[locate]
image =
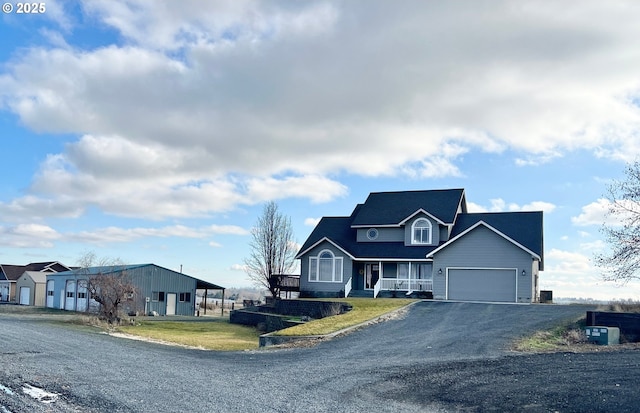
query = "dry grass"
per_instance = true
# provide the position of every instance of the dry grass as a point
(628, 306)
(364, 309)
(213, 334)
(566, 337)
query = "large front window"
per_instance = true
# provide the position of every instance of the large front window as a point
(422, 231)
(325, 267)
(421, 271)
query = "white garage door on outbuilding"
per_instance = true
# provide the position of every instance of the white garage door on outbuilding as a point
(25, 295)
(482, 284)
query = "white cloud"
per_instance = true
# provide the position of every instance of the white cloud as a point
(317, 188)
(28, 236)
(500, 205)
(115, 234)
(238, 267)
(537, 159)
(311, 222)
(593, 214)
(573, 274)
(202, 108)
(597, 213)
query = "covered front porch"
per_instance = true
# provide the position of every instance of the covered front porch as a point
(395, 279)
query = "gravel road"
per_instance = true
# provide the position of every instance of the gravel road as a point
(438, 357)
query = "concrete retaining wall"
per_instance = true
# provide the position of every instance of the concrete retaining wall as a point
(263, 321)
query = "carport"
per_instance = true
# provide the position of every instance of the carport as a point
(206, 286)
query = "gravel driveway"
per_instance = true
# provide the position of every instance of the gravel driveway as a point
(438, 357)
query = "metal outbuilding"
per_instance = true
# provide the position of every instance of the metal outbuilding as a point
(158, 290)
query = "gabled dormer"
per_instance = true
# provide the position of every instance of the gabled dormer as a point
(412, 217)
(423, 229)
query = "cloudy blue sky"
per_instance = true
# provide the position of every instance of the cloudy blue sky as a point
(154, 131)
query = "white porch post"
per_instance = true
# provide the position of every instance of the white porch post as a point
(380, 275)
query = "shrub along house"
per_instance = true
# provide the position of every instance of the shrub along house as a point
(424, 243)
(157, 289)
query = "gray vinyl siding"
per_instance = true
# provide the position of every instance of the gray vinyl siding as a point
(408, 233)
(482, 248)
(444, 233)
(324, 287)
(384, 235)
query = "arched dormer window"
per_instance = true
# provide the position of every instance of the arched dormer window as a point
(421, 231)
(325, 267)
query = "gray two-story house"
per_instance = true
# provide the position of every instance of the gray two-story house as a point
(426, 244)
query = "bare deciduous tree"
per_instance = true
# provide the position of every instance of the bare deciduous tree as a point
(107, 284)
(273, 248)
(622, 262)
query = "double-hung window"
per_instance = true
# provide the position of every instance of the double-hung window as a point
(325, 267)
(421, 231)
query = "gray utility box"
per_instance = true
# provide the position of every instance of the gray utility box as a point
(603, 335)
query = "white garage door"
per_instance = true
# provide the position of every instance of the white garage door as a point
(25, 293)
(482, 284)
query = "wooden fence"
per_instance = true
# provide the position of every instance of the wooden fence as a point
(628, 323)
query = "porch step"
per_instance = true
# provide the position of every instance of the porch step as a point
(361, 293)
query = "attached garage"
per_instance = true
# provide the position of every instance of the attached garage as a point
(482, 284)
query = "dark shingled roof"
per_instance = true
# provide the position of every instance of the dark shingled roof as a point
(525, 228)
(339, 231)
(13, 272)
(391, 208)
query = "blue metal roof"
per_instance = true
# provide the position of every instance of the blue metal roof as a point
(107, 269)
(200, 284)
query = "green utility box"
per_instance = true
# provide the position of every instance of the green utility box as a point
(603, 335)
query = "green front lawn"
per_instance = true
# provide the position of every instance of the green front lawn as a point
(215, 334)
(364, 309)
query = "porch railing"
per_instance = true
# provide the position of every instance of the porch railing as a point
(406, 284)
(376, 288)
(347, 288)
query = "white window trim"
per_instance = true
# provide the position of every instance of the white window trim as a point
(336, 268)
(413, 233)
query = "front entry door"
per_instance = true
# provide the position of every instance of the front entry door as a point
(371, 275)
(171, 304)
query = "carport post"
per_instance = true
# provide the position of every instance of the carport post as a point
(222, 313)
(205, 301)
